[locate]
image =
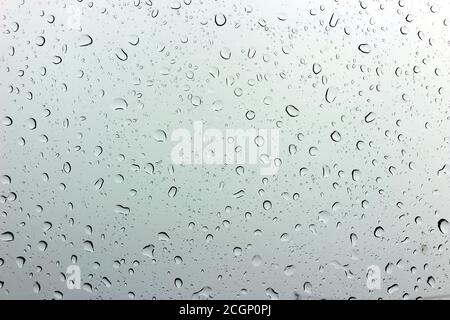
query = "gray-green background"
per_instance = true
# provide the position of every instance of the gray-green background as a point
(377, 72)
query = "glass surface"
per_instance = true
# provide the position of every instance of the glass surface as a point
(224, 149)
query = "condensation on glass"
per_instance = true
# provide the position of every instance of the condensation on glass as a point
(224, 149)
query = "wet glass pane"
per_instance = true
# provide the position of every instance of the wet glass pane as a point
(224, 149)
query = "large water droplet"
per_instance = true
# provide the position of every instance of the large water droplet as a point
(7, 236)
(85, 40)
(443, 226)
(292, 111)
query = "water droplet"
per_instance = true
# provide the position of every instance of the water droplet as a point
(220, 19)
(148, 251)
(133, 40)
(5, 179)
(335, 136)
(353, 239)
(330, 94)
(121, 54)
(431, 281)
(378, 232)
(178, 283)
(119, 104)
(67, 168)
(121, 209)
(20, 261)
(356, 174)
(163, 236)
(36, 287)
(225, 53)
(178, 260)
(317, 68)
(272, 294)
(267, 205)
(369, 117)
(289, 270)
(40, 41)
(313, 151)
(99, 183)
(85, 40)
(172, 191)
(307, 287)
(250, 115)
(31, 123)
(7, 236)
(364, 48)
(443, 226)
(392, 289)
(88, 246)
(7, 121)
(42, 245)
(292, 111)
(160, 135)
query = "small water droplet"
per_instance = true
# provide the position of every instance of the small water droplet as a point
(378, 232)
(267, 205)
(225, 53)
(160, 135)
(172, 191)
(178, 283)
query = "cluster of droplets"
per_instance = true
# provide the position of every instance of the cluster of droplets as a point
(357, 91)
